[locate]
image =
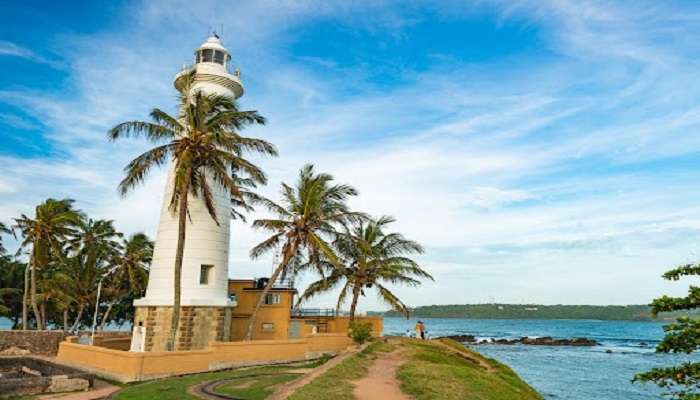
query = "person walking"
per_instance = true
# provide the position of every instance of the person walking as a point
(420, 330)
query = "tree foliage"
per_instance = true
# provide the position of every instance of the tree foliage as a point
(71, 253)
(368, 257)
(683, 336)
(307, 218)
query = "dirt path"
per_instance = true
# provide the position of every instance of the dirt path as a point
(100, 391)
(381, 382)
(287, 389)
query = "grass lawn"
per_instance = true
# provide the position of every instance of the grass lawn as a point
(434, 372)
(255, 388)
(335, 383)
(176, 388)
(431, 370)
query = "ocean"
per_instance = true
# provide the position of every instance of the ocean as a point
(571, 373)
(558, 373)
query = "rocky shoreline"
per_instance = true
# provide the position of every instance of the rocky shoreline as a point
(532, 341)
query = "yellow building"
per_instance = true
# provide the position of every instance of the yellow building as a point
(277, 319)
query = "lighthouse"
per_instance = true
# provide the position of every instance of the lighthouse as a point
(206, 307)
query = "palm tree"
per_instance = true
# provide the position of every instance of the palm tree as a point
(205, 147)
(369, 258)
(77, 277)
(3, 229)
(131, 272)
(53, 222)
(309, 215)
(93, 235)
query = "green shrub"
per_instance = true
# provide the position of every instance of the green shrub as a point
(360, 332)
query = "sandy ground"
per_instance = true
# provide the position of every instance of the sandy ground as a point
(381, 382)
(100, 391)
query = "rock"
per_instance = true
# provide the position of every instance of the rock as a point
(30, 371)
(14, 351)
(536, 341)
(462, 338)
(62, 383)
(609, 351)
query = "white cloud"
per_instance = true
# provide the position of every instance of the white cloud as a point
(535, 185)
(11, 49)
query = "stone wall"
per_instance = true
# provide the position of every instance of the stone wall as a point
(36, 342)
(44, 377)
(42, 342)
(198, 326)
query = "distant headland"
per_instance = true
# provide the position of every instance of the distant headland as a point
(635, 312)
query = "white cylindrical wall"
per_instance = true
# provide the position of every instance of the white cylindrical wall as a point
(206, 243)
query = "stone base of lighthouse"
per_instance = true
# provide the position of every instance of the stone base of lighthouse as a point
(198, 326)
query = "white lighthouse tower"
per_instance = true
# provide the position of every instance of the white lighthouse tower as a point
(205, 304)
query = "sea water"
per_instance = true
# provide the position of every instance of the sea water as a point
(565, 372)
(561, 372)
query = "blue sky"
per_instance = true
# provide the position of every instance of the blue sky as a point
(542, 151)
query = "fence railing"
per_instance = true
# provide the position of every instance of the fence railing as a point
(260, 283)
(314, 312)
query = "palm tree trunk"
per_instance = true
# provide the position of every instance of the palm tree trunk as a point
(288, 253)
(341, 297)
(182, 225)
(43, 314)
(106, 314)
(35, 308)
(353, 306)
(65, 319)
(25, 297)
(81, 308)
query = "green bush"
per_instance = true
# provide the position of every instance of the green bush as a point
(360, 332)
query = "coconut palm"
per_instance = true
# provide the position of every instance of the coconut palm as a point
(92, 235)
(6, 230)
(308, 217)
(53, 222)
(131, 274)
(205, 147)
(96, 244)
(77, 277)
(370, 258)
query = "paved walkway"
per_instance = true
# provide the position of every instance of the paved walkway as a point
(380, 381)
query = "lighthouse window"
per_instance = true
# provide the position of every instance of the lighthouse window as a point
(219, 57)
(205, 272)
(207, 55)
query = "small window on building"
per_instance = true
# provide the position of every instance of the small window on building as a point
(272, 298)
(207, 55)
(205, 273)
(219, 57)
(267, 326)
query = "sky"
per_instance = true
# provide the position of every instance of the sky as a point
(542, 151)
